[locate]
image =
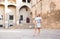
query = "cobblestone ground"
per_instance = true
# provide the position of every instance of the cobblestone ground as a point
(29, 34)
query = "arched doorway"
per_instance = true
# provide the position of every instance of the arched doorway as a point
(2, 14)
(25, 16)
(10, 15)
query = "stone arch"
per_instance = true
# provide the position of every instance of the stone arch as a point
(12, 5)
(2, 16)
(25, 6)
(11, 15)
(12, 8)
(2, 8)
(26, 14)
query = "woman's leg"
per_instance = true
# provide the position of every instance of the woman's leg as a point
(35, 30)
(38, 30)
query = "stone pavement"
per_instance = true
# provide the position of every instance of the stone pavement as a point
(28, 34)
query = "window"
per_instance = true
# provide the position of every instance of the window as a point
(21, 17)
(26, 9)
(27, 20)
(23, 0)
(1, 17)
(11, 17)
(11, 24)
(1, 25)
(28, 1)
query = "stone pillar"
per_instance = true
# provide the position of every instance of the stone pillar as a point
(5, 17)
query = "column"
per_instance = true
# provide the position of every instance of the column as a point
(6, 21)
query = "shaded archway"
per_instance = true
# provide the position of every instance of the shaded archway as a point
(2, 15)
(12, 8)
(11, 15)
(25, 13)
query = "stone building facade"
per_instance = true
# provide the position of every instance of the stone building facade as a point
(21, 13)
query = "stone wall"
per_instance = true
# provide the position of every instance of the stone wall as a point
(51, 20)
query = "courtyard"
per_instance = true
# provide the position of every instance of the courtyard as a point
(29, 34)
